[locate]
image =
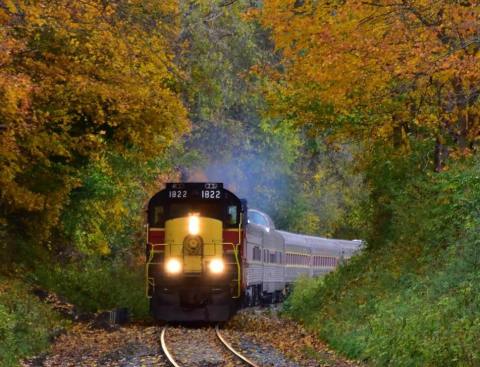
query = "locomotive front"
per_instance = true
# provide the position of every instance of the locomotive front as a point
(195, 235)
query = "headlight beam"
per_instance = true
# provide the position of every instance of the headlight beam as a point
(216, 266)
(173, 266)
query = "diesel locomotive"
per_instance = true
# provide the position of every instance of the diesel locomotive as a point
(207, 254)
(196, 236)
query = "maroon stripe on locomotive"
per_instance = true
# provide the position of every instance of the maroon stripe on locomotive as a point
(156, 236)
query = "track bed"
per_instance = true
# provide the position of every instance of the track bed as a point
(257, 334)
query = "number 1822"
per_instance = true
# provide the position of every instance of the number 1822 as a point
(210, 194)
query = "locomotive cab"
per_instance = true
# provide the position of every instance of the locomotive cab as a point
(194, 251)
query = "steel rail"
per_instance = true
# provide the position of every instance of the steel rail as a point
(165, 349)
(231, 349)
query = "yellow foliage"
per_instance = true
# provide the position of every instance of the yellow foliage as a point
(416, 60)
(78, 78)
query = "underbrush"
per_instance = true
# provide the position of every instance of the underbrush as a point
(98, 284)
(26, 324)
(412, 298)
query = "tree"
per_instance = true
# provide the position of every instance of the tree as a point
(79, 80)
(407, 68)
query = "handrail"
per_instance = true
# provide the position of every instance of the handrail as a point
(237, 260)
(147, 279)
(239, 273)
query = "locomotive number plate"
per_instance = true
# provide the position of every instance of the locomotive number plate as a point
(211, 194)
(177, 194)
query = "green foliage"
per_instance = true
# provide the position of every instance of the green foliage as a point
(103, 215)
(99, 264)
(302, 298)
(99, 284)
(220, 49)
(324, 191)
(233, 142)
(412, 297)
(287, 172)
(26, 324)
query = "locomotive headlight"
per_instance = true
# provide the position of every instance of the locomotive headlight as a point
(173, 266)
(193, 224)
(216, 266)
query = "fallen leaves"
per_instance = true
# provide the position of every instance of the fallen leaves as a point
(134, 345)
(198, 347)
(263, 327)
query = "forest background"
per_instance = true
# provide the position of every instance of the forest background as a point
(349, 119)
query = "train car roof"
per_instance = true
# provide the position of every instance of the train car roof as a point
(293, 238)
(321, 242)
(352, 244)
(315, 242)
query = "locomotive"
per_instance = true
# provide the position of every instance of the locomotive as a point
(196, 236)
(207, 254)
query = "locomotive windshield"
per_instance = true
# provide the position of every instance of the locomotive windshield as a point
(209, 209)
(203, 208)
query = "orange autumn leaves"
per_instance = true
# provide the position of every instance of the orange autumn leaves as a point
(79, 79)
(408, 63)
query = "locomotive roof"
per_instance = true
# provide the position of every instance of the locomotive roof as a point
(194, 185)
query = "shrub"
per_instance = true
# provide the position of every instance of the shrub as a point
(99, 284)
(26, 324)
(411, 299)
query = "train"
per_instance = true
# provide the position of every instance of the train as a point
(208, 254)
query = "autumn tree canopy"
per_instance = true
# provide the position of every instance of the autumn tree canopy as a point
(79, 79)
(408, 68)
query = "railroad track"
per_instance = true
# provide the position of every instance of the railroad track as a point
(223, 341)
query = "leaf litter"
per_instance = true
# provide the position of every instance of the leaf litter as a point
(270, 340)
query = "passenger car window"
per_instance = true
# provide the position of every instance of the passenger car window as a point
(257, 253)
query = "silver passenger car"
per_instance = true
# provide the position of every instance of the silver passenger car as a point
(274, 258)
(297, 256)
(264, 271)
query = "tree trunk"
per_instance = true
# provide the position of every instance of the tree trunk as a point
(440, 155)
